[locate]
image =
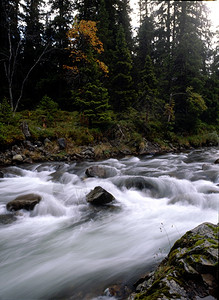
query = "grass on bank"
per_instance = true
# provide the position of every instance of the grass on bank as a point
(130, 128)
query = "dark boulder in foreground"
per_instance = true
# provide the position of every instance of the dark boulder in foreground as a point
(189, 272)
(99, 196)
(27, 202)
(100, 171)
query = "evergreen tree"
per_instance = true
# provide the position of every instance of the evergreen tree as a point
(54, 81)
(122, 90)
(93, 102)
(148, 90)
(144, 42)
(88, 94)
(123, 18)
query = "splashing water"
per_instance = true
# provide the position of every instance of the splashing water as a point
(67, 248)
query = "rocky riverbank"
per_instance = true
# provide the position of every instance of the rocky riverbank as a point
(189, 272)
(62, 150)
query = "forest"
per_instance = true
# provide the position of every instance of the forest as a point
(77, 69)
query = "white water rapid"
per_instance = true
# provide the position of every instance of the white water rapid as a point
(67, 249)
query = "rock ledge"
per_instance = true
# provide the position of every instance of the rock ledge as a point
(189, 272)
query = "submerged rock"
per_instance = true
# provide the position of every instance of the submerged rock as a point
(190, 271)
(99, 196)
(27, 202)
(7, 219)
(101, 171)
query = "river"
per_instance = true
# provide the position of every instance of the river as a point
(67, 249)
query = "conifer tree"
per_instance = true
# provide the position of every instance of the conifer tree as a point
(122, 90)
(89, 95)
(148, 90)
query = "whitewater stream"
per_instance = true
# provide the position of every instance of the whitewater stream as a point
(68, 249)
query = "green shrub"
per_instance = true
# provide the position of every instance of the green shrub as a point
(212, 138)
(6, 114)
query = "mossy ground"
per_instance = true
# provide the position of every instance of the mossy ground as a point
(129, 130)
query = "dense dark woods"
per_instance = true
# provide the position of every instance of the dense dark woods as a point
(82, 57)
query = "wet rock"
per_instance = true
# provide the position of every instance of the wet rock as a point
(217, 161)
(88, 152)
(27, 202)
(118, 291)
(61, 143)
(101, 171)
(99, 196)
(28, 160)
(17, 158)
(25, 130)
(28, 145)
(7, 219)
(1, 174)
(190, 270)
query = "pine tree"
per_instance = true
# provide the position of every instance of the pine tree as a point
(123, 18)
(89, 94)
(148, 90)
(145, 41)
(122, 90)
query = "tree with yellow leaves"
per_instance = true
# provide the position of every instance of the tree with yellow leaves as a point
(89, 95)
(85, 46)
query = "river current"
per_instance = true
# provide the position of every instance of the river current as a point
(67, 249)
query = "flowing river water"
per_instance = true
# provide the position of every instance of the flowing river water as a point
(67, 249)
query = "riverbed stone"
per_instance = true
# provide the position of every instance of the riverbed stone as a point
(217, 161)
(1, 174)
(7, 219)
(17, 158)
(27, 202)
(101, 171)
(189, 272)
(99, 196)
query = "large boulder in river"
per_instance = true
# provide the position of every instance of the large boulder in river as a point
(100, 171)
(189, 272)
(27, 202)
(99, 196)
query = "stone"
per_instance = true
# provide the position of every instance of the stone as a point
(101, 171)
(27, 202)
(99, 196)
(190, 270)
(46, 142)
(17, 158)
(28, 160)
(25, 130)
(7, 219)
(28, 145)
(217, 161)
(61, 143)
(1, 174)
(89, 152)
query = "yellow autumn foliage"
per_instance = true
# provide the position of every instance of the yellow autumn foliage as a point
(83, 38)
